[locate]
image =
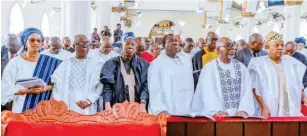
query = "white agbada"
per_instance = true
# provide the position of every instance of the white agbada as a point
(223, 87)
(265, 80)
(63, 54)
(184, 54)
(17, 68)
(100, 60)
(170, 84)
(88, 90)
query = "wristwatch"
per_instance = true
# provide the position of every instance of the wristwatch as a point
(89, 101)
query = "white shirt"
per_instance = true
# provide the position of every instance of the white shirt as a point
(217, 91)
(167, 89)
(16, 69)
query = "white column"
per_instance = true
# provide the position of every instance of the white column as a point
(248, 27)
(77, 18)
(249, 10)
(104, 10)
(63, 32)
(223, 29)
(292, 23)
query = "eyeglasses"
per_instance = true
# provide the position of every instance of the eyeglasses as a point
(82, 44)
(213, 39)
(228, 45)
(33, 40)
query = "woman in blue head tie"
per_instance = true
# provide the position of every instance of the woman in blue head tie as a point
(27, 65)
(301, 43)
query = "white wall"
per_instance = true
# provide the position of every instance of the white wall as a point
(32, 15)
(192, 28)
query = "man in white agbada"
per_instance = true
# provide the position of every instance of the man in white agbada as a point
(75, 80)
(170, 81)
(224, 87)
(100, 56)
(277, 80)
(56, 50)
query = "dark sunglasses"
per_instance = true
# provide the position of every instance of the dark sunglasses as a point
(33, 40)
(213, 39)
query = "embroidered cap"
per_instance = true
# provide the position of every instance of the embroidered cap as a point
(272, 36)
(128, 35)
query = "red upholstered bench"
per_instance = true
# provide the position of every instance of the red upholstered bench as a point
(52, 118)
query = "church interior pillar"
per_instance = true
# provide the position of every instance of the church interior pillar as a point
(292, 12)
(77, 18)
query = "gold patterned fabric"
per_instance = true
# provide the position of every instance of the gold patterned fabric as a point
(272, 36)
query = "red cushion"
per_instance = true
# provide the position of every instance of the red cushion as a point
(15, 128)
(304, 109)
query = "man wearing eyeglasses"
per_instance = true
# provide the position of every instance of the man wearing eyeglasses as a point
(75, 80)
(224, 87)
(56, 50)
(9, 51)
(124, 78)
(204, 56)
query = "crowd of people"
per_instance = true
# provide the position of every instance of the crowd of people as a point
(212, 76)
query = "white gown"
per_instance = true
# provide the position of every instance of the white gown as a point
(63, 54)
(100, 60)
(170, 84)
(229, 91)
(89, 90)
(266, 82)
(17, 68)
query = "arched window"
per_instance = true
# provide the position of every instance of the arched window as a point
(16, 19)
(45, 24)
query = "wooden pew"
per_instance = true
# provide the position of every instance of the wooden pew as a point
(273, 126)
